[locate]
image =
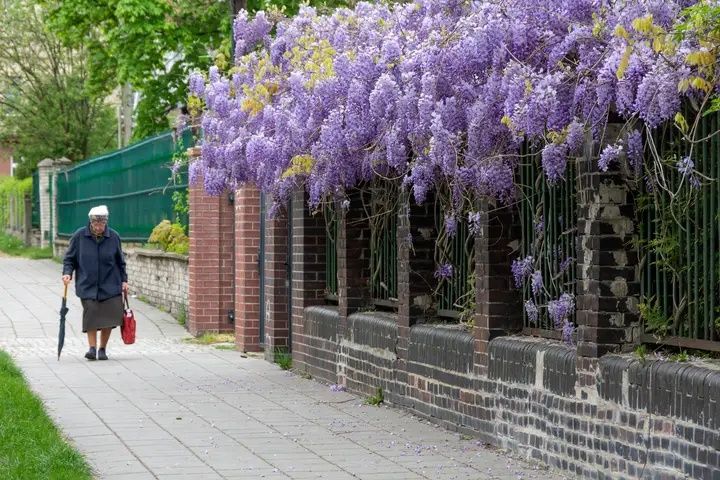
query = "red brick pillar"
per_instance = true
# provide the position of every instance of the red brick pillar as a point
(210, 262)
(308, 271)
(276, 283)
(247, 278)
(499, 305)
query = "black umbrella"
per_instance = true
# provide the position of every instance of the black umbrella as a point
(61, 333)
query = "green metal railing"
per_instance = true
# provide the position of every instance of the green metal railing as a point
(36, 200)
(453, 292)
(548, 217)
(132, 182)
(383, 262)
(331, 224)
(679, 261)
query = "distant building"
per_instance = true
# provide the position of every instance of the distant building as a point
(6, 160)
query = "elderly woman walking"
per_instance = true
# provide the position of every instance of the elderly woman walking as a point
(95, 257)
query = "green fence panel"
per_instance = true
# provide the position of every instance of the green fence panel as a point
(331, 224)
(548, 216)
(679, 262)
(453, 291)
(133, 182)
(383, 261)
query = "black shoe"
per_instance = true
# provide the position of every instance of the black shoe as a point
(90, 355)
(101, 355)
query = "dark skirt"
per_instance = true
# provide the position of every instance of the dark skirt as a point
(105, 314)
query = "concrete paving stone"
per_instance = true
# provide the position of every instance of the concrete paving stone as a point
(194, 476)
(127, 476)
(391, 476)
(264, 475)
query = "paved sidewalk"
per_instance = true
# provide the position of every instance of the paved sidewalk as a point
(169, 410)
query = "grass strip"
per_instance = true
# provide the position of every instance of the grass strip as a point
(31, 446)
(15, 247)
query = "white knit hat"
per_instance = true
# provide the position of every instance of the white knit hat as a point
(99, 211)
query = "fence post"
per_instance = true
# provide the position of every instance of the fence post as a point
(247, 271)
(27, 221)
(308, 272)
(45, 167)
(353, 260)
(276, 258)
(607, 284)
(209, 272)
(498, 303)
(58, 165)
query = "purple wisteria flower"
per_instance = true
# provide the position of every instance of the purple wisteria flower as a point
(610, 153)
(687, 168)
(536, 282)
(635, 150)
(567, 332)
(521, 269)
(532, 311)
(337, 388)
(565, 264)
(474, 223)
(540, 226)
(378, 91)
(561, 309)
(451, 225)
(444, 271)
(196, 84)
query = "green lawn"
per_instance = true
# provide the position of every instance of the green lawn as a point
(30, 445)
(14, 246)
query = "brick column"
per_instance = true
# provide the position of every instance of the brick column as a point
(607, 281)
(353, 260)
(210, 261)
(276, 283)
(308, 269)
(247, 275)
(499, 305)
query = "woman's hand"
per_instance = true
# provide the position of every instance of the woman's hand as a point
(66, 279)
(125, 288)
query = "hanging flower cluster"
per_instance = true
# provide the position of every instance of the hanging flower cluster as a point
(436, 93)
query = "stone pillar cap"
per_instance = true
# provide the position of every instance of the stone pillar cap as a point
(48, 162)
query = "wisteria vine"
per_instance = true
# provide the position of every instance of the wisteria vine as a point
(441, 95)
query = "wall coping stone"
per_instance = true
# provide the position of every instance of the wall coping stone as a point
(684, 390)
(149, 252)
(547, 364)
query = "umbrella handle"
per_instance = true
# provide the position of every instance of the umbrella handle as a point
(65, 294)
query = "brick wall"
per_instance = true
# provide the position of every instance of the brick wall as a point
(160, 277)
(663, 412)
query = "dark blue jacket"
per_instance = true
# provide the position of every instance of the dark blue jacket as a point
(99, 266)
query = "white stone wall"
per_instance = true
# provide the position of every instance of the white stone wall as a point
(159, 277)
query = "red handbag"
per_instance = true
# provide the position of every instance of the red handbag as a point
(127, 329)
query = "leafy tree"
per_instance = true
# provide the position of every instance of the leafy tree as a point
(45, 110)
(150, 44)
(153, 44)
